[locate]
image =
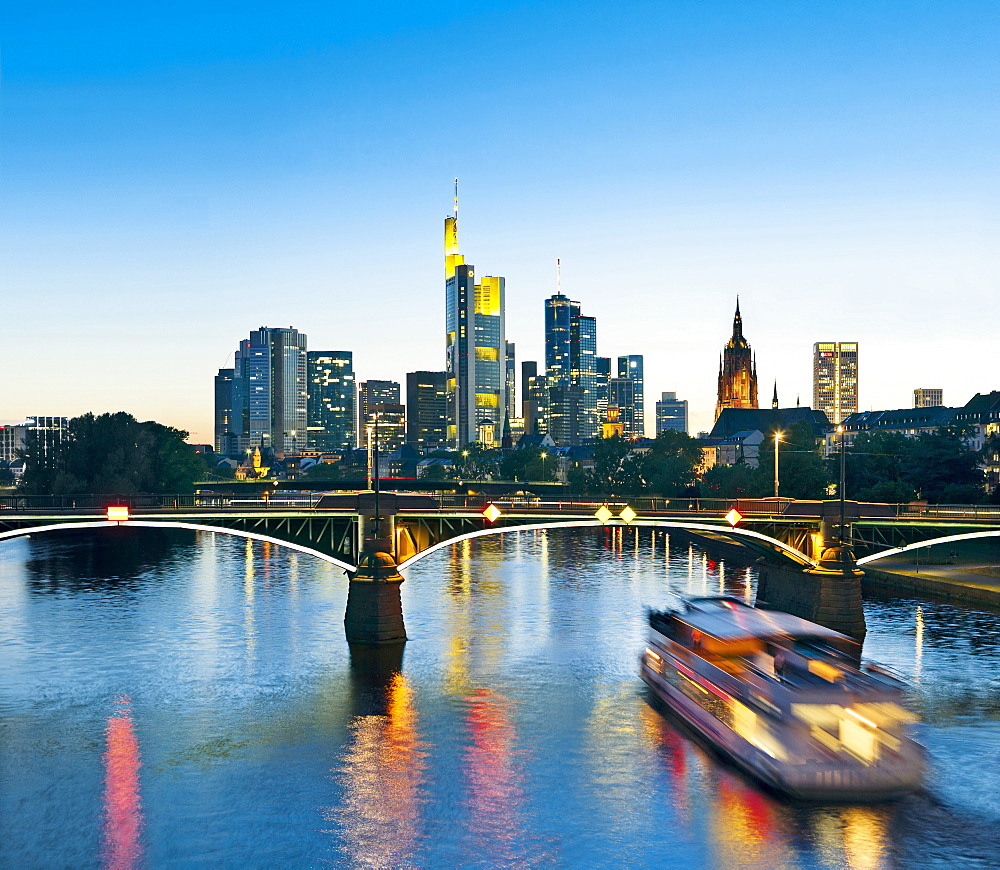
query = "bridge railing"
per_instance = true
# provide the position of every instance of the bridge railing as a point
(576, 505)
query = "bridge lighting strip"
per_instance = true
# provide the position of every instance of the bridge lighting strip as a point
(948, 540)
(801, 558)
(253, 536)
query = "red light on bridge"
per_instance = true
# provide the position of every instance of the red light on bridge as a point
(117, 513)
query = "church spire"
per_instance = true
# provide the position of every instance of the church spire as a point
(774, 399)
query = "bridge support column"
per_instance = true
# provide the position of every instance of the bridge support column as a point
(374, 609)
(829, 594)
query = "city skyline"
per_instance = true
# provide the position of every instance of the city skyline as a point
(168, 188)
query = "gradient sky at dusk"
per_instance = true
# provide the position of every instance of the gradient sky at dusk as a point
(173, 175)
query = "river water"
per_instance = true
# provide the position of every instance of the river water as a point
(170, 699)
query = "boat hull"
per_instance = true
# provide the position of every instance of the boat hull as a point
(811, 780)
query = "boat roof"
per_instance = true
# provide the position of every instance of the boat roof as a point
(730, 619)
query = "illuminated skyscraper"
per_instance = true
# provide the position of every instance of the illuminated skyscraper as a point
(476, 347)
(571, 372)
(269, 390)
(631, 367)
(835, 379)
(737, 371)
(226, 438)
(333, 419)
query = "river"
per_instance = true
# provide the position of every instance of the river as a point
(172, 699)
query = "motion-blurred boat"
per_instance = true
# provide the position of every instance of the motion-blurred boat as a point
(785, 699)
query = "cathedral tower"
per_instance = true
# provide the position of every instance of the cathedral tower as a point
(737, 371)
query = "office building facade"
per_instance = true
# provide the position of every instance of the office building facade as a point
(332, 402)
(630, 367)
(370, 394)
(427, 410)
(671, 414)
(835, 379)
(927, 398)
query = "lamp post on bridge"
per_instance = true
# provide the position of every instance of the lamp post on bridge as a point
(841, 485)
(777, 439)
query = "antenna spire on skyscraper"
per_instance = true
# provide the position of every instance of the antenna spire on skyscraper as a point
(558, 276)
(456, 199)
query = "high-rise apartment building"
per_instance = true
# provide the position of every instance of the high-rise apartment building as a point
(737, 371)
(476, 347)
(927, 398)
(332, 416)
(631, 367)
(371, 394)
(571, 372)
(427, 410)
(269, 390)
(835, 379)
(671, 413)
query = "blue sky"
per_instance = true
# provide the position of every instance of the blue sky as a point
(174, 175)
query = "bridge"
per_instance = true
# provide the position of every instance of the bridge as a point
(334, 526)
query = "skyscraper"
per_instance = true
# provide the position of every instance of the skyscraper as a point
(631, 367)
(476, 347)
(269, 390)
(927, 398)
(620, 415)
(226, 437)
(370, 395)
(671, 413)
(534, 399)
(835, 379)
(571, 372)
(426, 409)
(332, 414)
(510, 401)
(737, 371)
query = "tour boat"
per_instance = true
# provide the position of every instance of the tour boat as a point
(785, 699)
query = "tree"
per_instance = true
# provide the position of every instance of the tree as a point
(875, 467)
(525, 463)
(734, 481)
(669, 466)
(801, 469)
(112, 454)
(942, 468)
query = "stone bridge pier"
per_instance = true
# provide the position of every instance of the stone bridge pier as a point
(374, 615)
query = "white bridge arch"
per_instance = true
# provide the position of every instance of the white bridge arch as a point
(771, 543)
(171, 524)
(947, 539)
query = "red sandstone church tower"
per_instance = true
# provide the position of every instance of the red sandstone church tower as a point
(737, 371)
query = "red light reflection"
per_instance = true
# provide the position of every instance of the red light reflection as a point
(121, 846)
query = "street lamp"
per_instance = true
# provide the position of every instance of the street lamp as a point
(543, 455)
(777, 438)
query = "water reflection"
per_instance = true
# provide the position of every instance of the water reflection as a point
(494, 779)
(94, 560)
(380, 818)
(121, 847)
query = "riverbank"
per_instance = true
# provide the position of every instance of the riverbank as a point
(974, 584)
